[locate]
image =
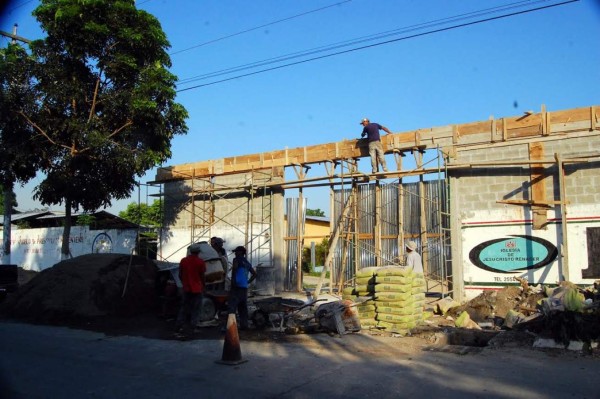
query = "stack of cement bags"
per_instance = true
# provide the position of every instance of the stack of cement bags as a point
(399, 298)
(389, 298)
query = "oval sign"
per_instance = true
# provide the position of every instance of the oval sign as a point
(513, 254)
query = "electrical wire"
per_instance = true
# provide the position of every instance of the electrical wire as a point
(359, 40)
(259, 27)
(462, 25)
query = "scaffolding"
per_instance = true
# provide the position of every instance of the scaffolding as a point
(372, 215)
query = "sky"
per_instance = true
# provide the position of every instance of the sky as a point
(263, 75)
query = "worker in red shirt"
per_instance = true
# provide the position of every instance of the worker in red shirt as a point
(191, 274)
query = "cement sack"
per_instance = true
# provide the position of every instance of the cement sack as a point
(393, 288)
(395, 271)
(367, 271)
(393, 280)
(401, 311)
(390, 296)
(364, 280)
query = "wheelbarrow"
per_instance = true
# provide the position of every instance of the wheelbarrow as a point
(284, 314)
(214, 301)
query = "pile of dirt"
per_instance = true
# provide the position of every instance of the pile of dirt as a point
(87, 286)
(493, 304)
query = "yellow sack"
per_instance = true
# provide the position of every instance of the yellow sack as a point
(391, 296)
(395, 271)
(393, 279)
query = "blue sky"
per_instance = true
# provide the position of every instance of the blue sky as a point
(501, 67)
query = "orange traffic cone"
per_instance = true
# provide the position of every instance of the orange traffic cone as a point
(232, 353)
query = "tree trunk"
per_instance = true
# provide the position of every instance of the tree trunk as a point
(8, 197)
(65, 251)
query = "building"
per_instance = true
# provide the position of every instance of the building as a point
(510, 197)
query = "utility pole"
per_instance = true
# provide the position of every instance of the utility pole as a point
(14, 35)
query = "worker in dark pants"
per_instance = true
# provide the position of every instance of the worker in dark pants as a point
(191, 272)
(238, 295)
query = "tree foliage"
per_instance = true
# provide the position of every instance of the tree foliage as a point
(315, 212)
(143, 214)
(105, 104)
(321, 250)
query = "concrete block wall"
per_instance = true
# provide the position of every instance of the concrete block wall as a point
(481, 187)
(582, 180)
(230, 203)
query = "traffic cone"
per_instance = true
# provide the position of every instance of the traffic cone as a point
(232, 353)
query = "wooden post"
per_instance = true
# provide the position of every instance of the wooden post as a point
(423, 216)
(563, 213)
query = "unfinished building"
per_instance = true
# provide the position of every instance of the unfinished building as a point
(511, 197)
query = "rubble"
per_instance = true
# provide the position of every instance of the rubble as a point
(565, 316)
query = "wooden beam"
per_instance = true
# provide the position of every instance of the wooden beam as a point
(530, 202)
(514, 128)
(538, 186)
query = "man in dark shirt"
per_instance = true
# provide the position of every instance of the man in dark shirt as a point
(191, 273)
(371, 130)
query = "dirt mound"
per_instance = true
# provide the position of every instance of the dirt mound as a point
(492, 304)
(85, 287)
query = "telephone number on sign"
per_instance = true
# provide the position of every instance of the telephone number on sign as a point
(504, 279)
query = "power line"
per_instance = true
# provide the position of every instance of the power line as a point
(259, 27)
(383, 43)
(359, 40)
(20, 5)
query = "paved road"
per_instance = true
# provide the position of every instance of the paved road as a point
(54, 362)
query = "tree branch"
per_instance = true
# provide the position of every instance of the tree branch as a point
(42, 132)
(93, 107)
(117, 131)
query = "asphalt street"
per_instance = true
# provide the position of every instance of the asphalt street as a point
(57, 362)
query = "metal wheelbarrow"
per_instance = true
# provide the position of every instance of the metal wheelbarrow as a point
(284, 314)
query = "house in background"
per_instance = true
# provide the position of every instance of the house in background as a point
(316, 229)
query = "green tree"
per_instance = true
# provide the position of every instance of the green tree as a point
(315, 212)
(105, 102)
(143, 214)
(19, 158)
(320, 255)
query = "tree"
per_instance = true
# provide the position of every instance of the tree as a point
(144, 214)
(19, 158)
(105, 102)
(315, 212)
(321, 251)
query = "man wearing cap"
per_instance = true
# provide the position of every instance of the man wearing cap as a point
(371, 130)
(238, 295)
(413, 259)
(191, 273)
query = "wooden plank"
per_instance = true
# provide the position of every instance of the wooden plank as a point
(513, 128)
(538, 186)
(455, 134)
